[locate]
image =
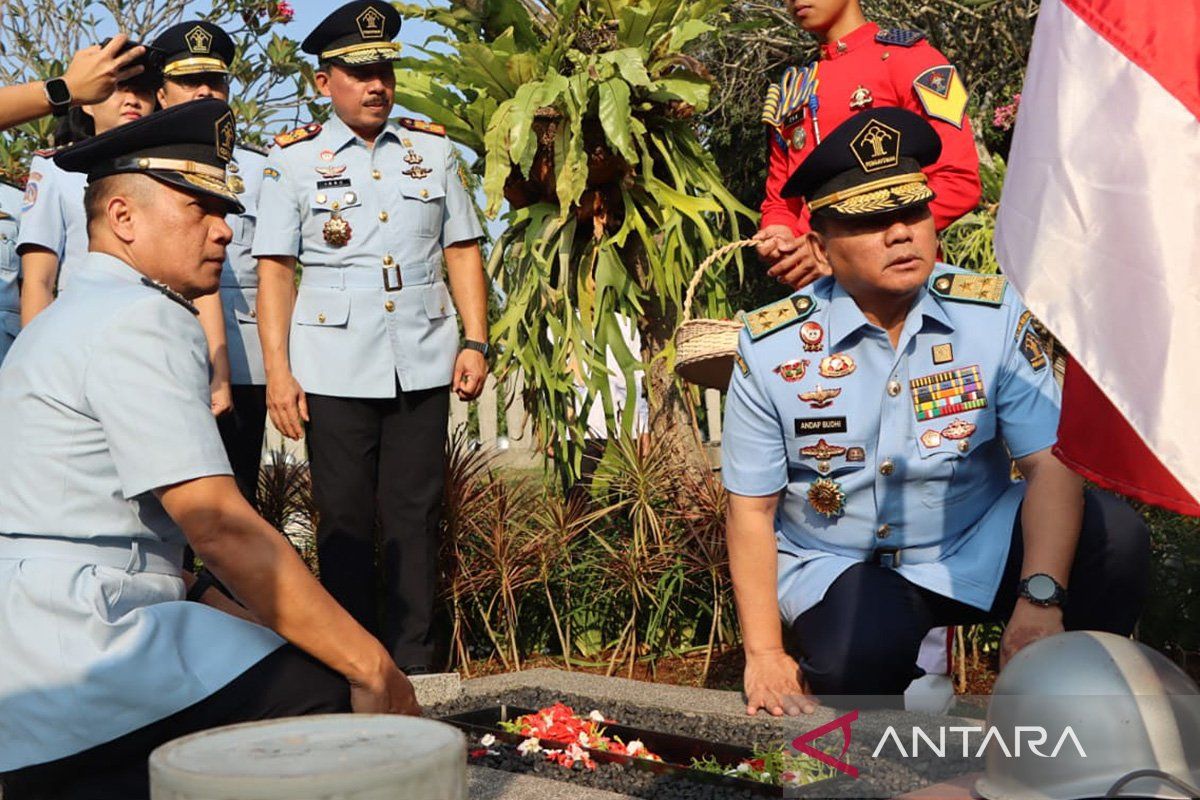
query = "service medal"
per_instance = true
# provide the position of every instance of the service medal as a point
(838, 365)
(792, 371)
(818, 397)
(799, 138)
(336, 231)
(826, 497)
(812, 334)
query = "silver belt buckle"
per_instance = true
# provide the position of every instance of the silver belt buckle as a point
(888, 557)
(387, 279)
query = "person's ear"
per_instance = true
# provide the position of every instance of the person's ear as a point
(119, 212)
(820, 250)
(322, 80)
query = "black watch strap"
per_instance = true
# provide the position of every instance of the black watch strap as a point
(58, 94)
(477, 346)
(204, 582)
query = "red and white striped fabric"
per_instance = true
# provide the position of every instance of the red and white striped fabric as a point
(1099, 230)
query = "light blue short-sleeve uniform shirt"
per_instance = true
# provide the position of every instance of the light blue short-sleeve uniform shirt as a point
(10, 267)
(372, 310)
(52, 214)
(239, 277)
(104, 398)
(901, 448)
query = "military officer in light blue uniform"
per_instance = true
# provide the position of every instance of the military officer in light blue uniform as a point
(10, 266)
(362, 361)
(197, 55)
(868, 439)
(111, 461)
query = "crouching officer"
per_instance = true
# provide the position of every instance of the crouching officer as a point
(111, 461)
(364, 356)
(867, 443)
(197, 57)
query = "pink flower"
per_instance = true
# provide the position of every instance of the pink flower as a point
(1004, 117)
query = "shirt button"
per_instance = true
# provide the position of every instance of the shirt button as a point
(964, 445)
(893, 388)
(320, 317)
(390, 306)
(887, 467)
(376, 174)
(424, 193)
(383, 216)
(253, 313)
(883, 531)
(388, 260)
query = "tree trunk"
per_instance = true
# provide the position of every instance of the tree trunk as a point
(672, 417)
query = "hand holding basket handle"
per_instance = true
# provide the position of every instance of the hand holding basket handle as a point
(704, 348)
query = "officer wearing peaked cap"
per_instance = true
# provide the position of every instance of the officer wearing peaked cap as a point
(198, 55)
(361, 362)
(111, 462)
(867, 448)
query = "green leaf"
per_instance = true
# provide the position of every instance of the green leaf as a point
(628, 62)
(498, 163)
(689, 88)
(521, 68)
(685, 32)
(615, 117)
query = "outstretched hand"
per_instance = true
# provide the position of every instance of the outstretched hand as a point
(774, 683)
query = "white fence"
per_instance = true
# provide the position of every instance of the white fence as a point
(519, 444)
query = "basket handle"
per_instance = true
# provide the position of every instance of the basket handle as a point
(723, 250)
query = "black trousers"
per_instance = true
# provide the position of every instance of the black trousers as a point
(287, 683)
(381, 459)
(863, 637)
(242, 434)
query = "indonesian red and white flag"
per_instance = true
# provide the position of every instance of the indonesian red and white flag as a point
(1099, 230)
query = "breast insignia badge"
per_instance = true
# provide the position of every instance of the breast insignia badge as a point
(819, 397)
(838, 365)
(792, 371)
(826, 497)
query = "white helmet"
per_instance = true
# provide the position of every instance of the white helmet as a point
(1107, 717)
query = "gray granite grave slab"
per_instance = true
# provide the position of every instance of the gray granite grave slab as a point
(438, 687)
(490, 784)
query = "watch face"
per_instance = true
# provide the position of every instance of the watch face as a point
(58, 92)
(1041, 587)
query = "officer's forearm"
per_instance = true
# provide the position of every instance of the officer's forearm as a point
(212, 319)
(258, 565)
(468, 286)
(39, 271)
(1050, 516)
(22, 103)
(276, 295)
(750, 532)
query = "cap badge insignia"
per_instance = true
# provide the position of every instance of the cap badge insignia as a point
(861, 97)
(199, 40)
(819, 398)
(226, 132)
(370, 23)
(838, 365)
(812, 334)
(876, 146)
(792, 371)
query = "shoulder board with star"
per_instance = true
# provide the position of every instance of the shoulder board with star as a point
(289, 138)
(778, 315)
(422, 125)
(987, 290)
(171, 295)
(900, 37)
(254, 148)
(48, 152)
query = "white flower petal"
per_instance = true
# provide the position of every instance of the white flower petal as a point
(487, 740)
(596, 716)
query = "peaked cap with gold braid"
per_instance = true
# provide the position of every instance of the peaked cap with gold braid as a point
(356, 34)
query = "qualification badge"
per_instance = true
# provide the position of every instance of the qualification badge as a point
(818, 397)
(861, 98)
(336, 230)
(792, 371)
(838, 365)
(826, 497)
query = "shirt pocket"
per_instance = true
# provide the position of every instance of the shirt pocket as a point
(324, 308)
(421, 207)
(244, 227)
(9, 262)
(437, 301)
(946, 446)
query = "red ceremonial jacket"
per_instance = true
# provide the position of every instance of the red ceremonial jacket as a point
(876, 73)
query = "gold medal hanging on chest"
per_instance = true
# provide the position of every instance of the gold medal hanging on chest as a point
(826, 497)
(336, 230)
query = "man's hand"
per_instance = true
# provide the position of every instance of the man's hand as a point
(773, 682)
(388, 692)
(95, 71)
(1028, 624)
(221, 397)
(775, 242)
(470, 373)
(798, 268)
(287, 405)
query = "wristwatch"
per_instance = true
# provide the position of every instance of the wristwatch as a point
(58, 94)
(1042, 590)
(480, 347)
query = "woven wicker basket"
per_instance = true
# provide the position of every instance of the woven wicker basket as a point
(704, 348)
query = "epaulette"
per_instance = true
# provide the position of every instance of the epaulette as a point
(422, 125)
(254, 148)
(899, 37)
(48, 152)
(778, 315)
(171, 294)
(289, 138)
(985, 289)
